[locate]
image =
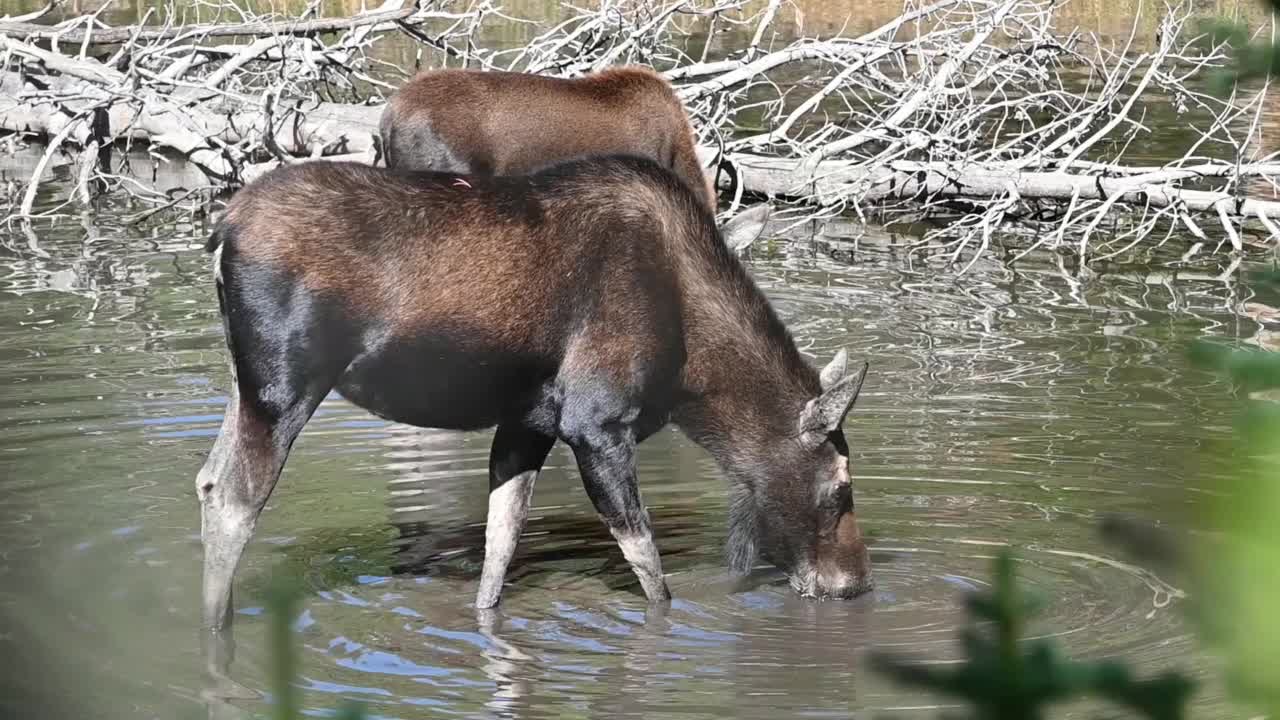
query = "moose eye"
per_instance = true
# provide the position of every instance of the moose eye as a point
(837, 499)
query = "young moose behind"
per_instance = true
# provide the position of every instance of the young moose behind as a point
(504, 123)
(592, 302)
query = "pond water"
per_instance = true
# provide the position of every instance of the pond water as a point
(1004, 407)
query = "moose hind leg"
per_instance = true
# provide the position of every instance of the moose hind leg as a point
(514, 461)
(606, 459)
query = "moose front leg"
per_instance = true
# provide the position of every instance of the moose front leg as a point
(514, 461)
(606, 459)
(238, 478)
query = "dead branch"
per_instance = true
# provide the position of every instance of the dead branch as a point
(32, 16)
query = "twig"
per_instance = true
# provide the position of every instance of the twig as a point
(55, 142)
(769, 13)
(31, 16)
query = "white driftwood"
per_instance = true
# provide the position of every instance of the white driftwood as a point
(835, 180)
(213, 140)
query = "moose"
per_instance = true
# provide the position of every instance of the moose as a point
(592, 302)
(480, 122)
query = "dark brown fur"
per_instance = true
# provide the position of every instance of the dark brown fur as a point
(502, 123)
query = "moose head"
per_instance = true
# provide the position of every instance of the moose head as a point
(798, 510)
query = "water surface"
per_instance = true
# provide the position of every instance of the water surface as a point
(1004, 407)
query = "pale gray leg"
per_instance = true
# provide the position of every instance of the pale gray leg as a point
(641, 551)
(227, 512)
(234, 485)
(514, 461)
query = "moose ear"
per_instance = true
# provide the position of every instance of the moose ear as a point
(746, 227)
(827, 411)
(834, 369)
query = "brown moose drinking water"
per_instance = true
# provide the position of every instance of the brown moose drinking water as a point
(592, 302)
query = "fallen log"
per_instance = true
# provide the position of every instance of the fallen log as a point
(833, 181)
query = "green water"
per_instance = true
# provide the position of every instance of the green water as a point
(1004, 407)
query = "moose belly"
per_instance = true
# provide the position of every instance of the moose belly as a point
(439, 385)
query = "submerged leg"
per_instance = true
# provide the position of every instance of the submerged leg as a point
(514, 461)
(233, 486)
(606, 458)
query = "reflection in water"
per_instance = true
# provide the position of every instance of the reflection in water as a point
(1012, 406)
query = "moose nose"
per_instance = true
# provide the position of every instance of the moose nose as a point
(844, 563)
(845, 587)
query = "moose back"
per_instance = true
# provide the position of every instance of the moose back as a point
(507, 123)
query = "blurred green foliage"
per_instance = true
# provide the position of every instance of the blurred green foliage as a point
(283, 601)
(1240, 563)
(1003, 677)
(1247, 60)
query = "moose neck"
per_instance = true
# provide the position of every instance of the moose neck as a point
(745, 382)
